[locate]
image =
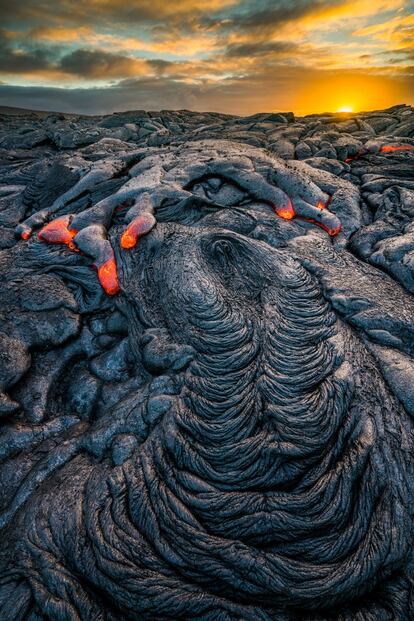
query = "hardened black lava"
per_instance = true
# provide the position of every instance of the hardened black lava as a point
(207, 367)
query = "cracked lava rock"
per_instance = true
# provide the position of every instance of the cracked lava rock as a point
(206, 366)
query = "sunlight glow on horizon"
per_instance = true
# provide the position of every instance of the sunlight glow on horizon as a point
(345, 109)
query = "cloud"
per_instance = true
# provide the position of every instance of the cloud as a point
(61, 34)
(96, 64)
(108, 12)
(389, 26)
(267, 15)
(402, 54)
(171, 42)
(259, 48)
(21, 60)
(100, 64)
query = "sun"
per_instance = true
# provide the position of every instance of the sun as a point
(345, 109)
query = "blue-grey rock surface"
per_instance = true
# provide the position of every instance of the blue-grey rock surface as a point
(207, 366)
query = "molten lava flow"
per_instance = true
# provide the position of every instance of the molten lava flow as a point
(129, 238)
(286, 212)
(388, 148)
(331, 231)
(108, 276)
(141, 225)
(25, 235)
(57, 232)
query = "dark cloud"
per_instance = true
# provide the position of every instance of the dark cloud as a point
(265, 15)
(238, 96)
(99, 64)
(160, 16)
(24, 62)
(110, 12)
(173, 70)
(259, 48)
(148, 93)
(21, 60)
(95, 64)
(159, 65)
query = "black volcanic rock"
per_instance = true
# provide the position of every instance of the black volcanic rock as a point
(206, 366)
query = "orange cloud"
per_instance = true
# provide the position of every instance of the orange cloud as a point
(86, 36)
(61, 34)
(386, 28)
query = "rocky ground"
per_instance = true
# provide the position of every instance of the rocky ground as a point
(206, 366)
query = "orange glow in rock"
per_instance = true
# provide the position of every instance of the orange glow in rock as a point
(387, 148)
(129, 238)
(331, 232)
(287, 213)
(140, 226)
(108, 277)
(25, 235)
(57, 232)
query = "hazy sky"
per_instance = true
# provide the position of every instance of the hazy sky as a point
(236, 56)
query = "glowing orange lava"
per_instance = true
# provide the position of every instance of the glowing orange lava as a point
(128, 239)
(286, 212)
(331, 232)
(388, 148)
(57, 232)
(25, 235)
(108, 277)
(140, 226)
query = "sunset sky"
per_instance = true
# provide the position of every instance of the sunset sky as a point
(235, 56)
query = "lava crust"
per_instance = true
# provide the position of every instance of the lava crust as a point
(207, 367)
